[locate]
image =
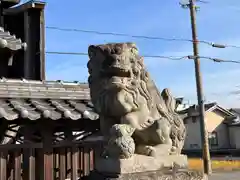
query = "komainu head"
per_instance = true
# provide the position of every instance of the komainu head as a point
(113, 67)
(114, 64)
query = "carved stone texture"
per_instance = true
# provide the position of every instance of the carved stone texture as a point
(123, 92)
(120, 144)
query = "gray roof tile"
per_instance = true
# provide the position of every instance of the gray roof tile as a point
(34, 109)
(53, 100)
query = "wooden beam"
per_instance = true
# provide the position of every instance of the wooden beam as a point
(27, 54)
(42, 45)
(47, 133)
(3, 165)
(24, 7)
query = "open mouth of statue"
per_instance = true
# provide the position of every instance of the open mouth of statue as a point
(117, 72)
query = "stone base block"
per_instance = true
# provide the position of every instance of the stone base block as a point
(154, 175)
(139, 163)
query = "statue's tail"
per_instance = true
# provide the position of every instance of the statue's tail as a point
(178, 132)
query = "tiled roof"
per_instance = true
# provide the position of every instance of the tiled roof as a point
(236, 120)
(8, 41)
(15, 88)
(34, 100)
(34, 109)
(235, 111)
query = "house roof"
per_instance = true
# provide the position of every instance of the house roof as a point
(34, 100)
(21, 88)
(211, 107)
(236, 120)
(235, 111)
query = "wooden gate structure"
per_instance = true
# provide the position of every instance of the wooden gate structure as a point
(44, 125)
(45, 130)
(32, 162)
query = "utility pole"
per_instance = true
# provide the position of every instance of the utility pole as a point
(201, 108)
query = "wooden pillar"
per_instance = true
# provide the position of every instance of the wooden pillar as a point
(71, 156)
(48, 154)
(28, 154)
(27, 53)
(3, 165)
(42, 45)
(34, 33)
(45, 156)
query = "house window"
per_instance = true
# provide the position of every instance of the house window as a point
(213, 138)
(194, 119)
(194, 146)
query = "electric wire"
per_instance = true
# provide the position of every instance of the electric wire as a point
(216, 45)
(155, 56)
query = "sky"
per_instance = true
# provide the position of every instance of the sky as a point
(217, 21)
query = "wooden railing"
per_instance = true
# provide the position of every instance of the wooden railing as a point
(58, 162)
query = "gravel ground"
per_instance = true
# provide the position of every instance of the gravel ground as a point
(235, 175)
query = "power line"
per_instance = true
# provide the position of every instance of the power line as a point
(232, 7)
(118, 34)
(146, 56)
(154, 56)
(67, 53)
(214, 59)
(216, 45)
(202, 1)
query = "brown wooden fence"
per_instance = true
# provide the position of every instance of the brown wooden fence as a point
(58, 162)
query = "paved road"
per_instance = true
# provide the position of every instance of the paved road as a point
(225, 176)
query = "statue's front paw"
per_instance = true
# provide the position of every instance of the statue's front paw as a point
(146, 150)
(152, 152)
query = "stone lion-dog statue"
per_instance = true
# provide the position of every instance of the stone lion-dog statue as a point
(134, 116)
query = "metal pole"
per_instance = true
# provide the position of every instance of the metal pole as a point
(204, 133)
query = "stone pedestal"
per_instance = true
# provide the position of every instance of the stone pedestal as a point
(139, 163)
(140, 167)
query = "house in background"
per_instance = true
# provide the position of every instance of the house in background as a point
(218, 123)
(234, 129)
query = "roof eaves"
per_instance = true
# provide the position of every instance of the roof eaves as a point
(24, 7)
(225, 111)
(235, 111)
